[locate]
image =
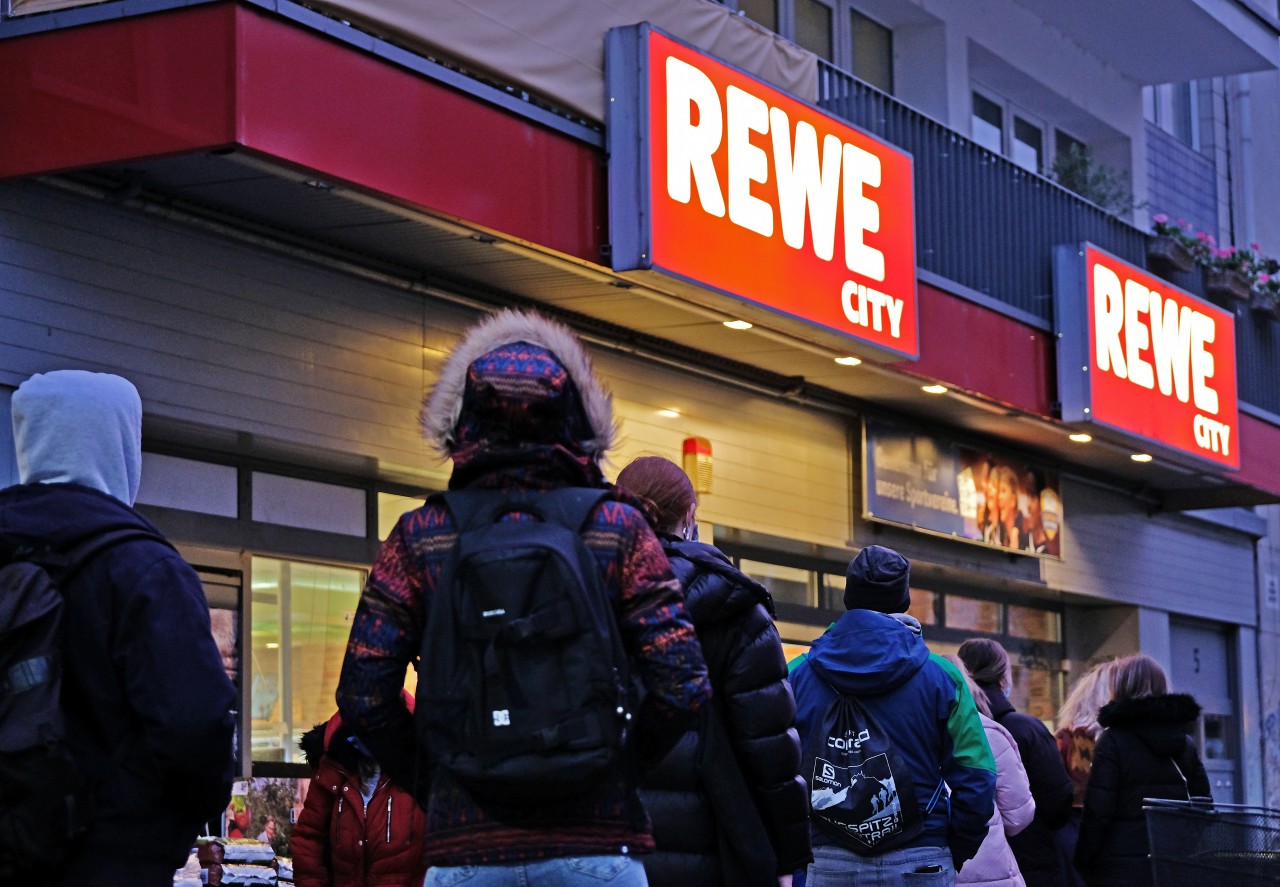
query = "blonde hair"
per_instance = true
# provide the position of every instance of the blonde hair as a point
(1090, 693)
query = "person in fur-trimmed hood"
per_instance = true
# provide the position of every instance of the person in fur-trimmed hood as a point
(1144, 752)
(518, 407)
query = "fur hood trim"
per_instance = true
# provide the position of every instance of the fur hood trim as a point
(1174, 709)
(443, 406)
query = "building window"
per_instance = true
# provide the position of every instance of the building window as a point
(1004, 129)
(969, 614)
(1183, 110)
(832, 29)
(872, 46)
(308, 504)
(786, 584)
(988, 123)
(764, 12)
(390, 508)
(813, 26)
(301, 616)
(188, 485)
(1027, 149)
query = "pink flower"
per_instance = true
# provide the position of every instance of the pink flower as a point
(1160, 218)
(1255, 247)
(1264, 278)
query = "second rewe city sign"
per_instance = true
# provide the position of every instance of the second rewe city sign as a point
(1140, 356)
(721, 180)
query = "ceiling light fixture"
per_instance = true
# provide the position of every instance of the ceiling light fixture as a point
(848, 361)
(669, 414)
(934, 389)
(1141, 457)
(1080, 437)
(738, 324)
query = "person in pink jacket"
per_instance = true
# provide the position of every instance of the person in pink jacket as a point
(995, 865)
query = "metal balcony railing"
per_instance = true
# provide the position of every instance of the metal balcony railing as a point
(989, 225)
(982, 221)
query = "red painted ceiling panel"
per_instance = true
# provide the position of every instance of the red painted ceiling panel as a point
(980, 350)
(313, 102)
(119, 90)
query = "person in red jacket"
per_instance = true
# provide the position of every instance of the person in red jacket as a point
(357, 828)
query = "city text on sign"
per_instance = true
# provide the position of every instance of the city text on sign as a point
(764, 197)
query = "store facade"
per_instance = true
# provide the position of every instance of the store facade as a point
(282, 288)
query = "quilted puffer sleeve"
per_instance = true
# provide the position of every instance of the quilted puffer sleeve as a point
(750, 674)
(1013, 790)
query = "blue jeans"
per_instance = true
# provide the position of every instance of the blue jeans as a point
(570, 871)
(837, 867)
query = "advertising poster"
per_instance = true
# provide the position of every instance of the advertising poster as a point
(937, 486)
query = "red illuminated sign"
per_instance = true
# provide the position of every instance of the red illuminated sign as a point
(747, 190)
(1144, 357)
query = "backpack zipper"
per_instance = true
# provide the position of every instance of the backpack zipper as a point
(388, 816)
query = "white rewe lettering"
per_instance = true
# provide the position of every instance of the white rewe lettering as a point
(1129, 319)
(808, 185)
(861, 213)
(747, 162)
(690, 145)
(803, 183)
(1137, 336)
(1203, 331)
(1171, 346)
(1212, 434)
(872, 308)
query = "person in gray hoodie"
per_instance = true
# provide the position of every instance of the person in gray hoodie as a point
(148, 704)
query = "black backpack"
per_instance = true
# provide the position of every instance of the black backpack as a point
(860, 792)
(522, 693)
(45, 801)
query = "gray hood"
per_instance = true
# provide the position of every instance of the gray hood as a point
(74, 426)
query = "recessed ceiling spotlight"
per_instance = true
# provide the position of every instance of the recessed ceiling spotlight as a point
(738, 324)
(1141, 457)
(1080, 437)
(669, 414)
(934, 389)
(848, 361)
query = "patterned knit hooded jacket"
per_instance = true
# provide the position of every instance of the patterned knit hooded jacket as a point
(517, 407)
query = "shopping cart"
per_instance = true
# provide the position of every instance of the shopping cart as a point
(1199, 843)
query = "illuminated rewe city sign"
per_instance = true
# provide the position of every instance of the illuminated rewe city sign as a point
(723, 181)
(1138, 355)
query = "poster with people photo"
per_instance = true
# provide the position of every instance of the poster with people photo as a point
(939, 486)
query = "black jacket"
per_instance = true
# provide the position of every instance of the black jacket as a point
(748, 674)
(1035, 847)
(1145, 752)
(149, 705)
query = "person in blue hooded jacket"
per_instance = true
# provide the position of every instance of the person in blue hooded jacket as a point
(148, 703)
(875, 653)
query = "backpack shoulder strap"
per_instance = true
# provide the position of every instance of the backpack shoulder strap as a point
(62, 564)
(568, 506)
(571, 506)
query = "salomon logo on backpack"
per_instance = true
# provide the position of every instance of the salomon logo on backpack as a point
(44, 799)
(861, 794)
(523, 688)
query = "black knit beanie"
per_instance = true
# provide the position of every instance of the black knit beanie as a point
(878, 579)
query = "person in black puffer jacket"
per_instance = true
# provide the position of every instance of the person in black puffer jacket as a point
(1035, 847)
(1144, 752)
(728, 803)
